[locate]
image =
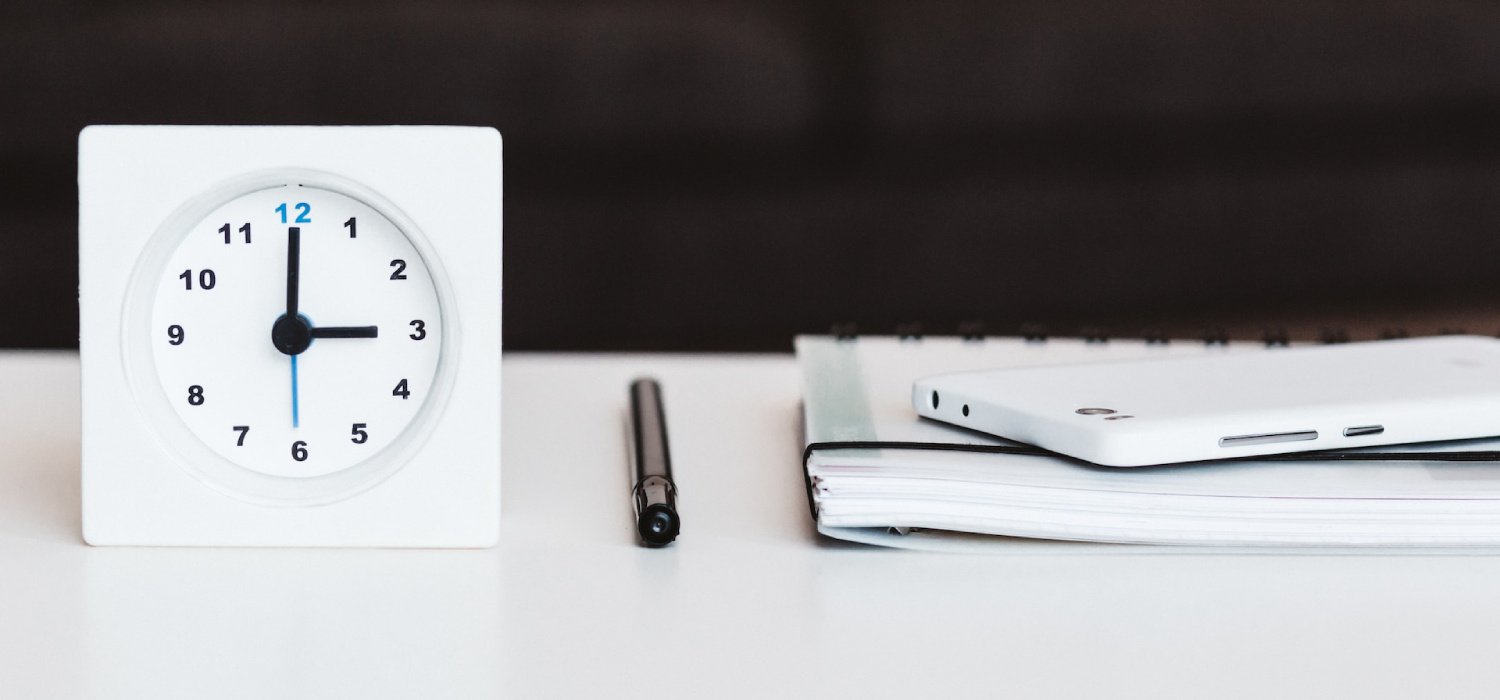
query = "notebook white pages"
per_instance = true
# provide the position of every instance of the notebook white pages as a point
(858, 391)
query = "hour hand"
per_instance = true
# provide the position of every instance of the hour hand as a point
(345, 331)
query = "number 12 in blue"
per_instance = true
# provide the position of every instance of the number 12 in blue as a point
(303, 210)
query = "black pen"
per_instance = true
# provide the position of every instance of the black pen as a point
(655, 495)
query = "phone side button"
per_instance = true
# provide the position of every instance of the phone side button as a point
(1359, 430)
(1267, 438)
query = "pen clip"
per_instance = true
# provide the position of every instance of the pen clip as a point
(653, 490)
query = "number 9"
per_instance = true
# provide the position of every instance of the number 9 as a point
(175, 335)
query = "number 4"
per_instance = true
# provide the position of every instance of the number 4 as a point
(401, 390)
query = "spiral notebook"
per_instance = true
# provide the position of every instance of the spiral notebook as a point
(876, 473)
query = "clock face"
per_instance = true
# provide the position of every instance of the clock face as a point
(295, 330)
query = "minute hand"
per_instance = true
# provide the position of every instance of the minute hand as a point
(345, 332)
(293, 268)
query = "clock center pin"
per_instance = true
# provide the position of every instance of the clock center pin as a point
(291, 334)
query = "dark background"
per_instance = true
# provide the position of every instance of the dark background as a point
(684, 175)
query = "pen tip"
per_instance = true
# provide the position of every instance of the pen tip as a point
(658, 525)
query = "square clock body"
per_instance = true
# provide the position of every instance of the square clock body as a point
(290, 336)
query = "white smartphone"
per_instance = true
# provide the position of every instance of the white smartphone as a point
(1231, 405)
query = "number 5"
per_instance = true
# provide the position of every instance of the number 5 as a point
(360, 436)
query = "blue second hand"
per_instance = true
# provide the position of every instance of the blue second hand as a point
(294, 391)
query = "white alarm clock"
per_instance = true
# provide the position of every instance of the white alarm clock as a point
(290, 335)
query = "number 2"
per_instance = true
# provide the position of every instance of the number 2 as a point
(304, 212)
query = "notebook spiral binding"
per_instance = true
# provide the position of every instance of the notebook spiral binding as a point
(978, 331)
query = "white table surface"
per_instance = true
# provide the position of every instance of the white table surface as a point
(748, 603)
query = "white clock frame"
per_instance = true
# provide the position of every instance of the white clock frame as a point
(149, 481)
